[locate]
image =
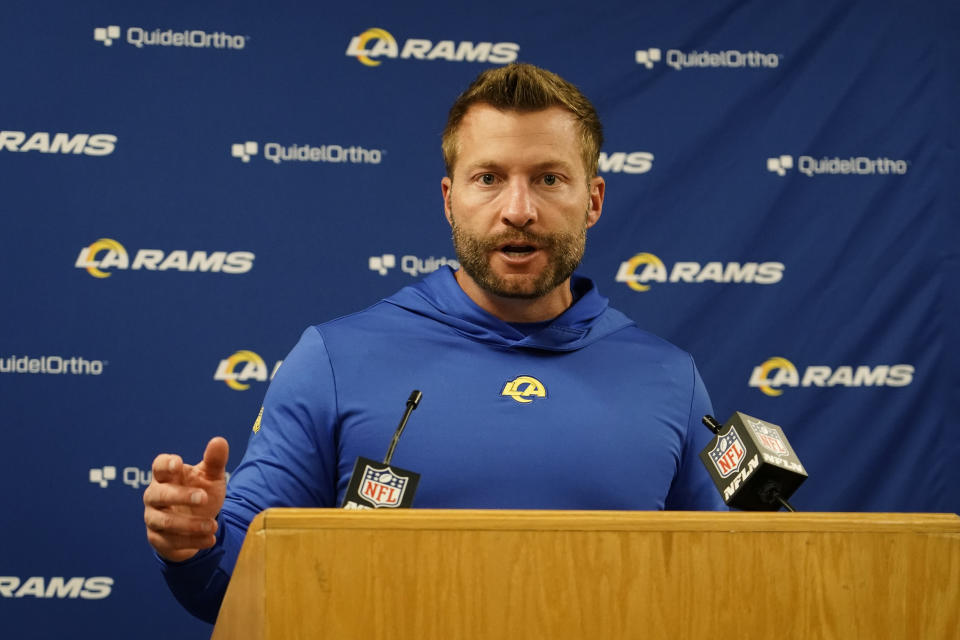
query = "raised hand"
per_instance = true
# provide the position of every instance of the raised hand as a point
(182, 502)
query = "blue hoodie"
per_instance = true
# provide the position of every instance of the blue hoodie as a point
(610, 419)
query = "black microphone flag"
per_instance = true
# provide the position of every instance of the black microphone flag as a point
(752, 463)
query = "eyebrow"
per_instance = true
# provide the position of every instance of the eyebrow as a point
(559, 165)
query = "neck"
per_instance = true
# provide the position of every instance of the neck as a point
(546, 307)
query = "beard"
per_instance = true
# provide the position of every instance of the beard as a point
(564, 252)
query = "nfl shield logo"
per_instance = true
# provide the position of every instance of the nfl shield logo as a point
(728, 454)
(768, 438)
(381, 487)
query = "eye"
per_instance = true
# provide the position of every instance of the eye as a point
(550, 179)
(487, 179)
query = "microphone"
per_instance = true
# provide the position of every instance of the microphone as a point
(412, 403)
(752, 463)
(378, 485)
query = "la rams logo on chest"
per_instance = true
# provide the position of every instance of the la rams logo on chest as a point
(524, 389)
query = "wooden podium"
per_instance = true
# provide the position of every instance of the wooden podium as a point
(423, 574)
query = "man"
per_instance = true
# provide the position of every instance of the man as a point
(536, 393)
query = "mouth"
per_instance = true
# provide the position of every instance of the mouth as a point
(517, 250)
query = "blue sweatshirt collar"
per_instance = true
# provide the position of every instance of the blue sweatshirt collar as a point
(439, 296)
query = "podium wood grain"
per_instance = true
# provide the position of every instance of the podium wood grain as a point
(330, 573)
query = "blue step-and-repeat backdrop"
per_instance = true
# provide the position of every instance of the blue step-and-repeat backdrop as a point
(185, 186)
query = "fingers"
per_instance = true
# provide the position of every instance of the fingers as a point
(177, 536)
(215, 458)
(167, 467)
(162, 495)
(173, 525)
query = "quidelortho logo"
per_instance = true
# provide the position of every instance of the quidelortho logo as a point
(53, 365)
(107, 253)
(633, 162)
(278, 153)
(133, 477)
(836, 166)
(190, 38)
(409, 264)
(376, 43)
(90, 144)
(727, 59)
(107, 35)
(242, 366)
(644, 268)
(244, 150)
(780, 164)
(779, 372)
(57, 587)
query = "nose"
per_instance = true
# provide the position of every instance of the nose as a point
(519, 209)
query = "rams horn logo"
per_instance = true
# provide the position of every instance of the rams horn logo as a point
(773, 364)
(628, 270)
(523, 387)
(88, 256)
(385, 44)
(253, 367)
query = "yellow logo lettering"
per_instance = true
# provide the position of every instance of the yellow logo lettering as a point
(524, 389)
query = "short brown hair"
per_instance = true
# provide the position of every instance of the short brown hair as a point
(524, 87)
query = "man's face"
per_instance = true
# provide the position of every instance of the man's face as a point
(519, 202)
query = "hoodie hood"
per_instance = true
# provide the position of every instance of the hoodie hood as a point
(439, 297)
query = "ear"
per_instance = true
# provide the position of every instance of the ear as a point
(446, 186)
(597, 187)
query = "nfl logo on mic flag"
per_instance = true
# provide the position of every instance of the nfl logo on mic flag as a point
(768, 437)
(381, 487)
(377, 485)
(728, 454)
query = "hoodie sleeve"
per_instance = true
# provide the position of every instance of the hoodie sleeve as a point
(692, 488)
(290, 461)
